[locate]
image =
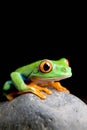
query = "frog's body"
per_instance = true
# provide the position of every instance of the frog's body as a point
(38, 75)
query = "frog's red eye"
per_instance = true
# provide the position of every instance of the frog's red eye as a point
(45, 66)
(67, 62)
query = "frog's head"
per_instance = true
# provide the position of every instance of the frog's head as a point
(46, 70)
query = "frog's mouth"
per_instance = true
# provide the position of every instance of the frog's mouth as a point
(46, 80)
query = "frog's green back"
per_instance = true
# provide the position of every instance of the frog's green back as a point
(27, 69)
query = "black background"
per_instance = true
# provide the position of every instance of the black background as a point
(26, 38)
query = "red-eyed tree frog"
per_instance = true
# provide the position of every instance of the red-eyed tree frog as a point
(35, 77)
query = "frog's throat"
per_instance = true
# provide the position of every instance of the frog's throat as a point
(45, 80)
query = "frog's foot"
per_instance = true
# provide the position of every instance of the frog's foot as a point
(40, 88)
(58, 86)
(11, 96)
(36, 89)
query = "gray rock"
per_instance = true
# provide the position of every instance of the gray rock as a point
(60, 111)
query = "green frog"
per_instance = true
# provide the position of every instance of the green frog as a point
(35, 77)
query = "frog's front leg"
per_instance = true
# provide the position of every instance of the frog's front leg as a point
(41, 88)
(58, 86)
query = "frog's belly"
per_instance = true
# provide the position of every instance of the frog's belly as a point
(39, 80)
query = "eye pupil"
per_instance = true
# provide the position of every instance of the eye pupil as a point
(46, 66)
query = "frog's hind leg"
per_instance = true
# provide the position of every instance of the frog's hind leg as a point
(10, 96)
(31, 88)
(7, 88)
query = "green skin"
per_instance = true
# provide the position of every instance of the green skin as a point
(60, 70)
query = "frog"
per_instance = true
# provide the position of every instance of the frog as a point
(37, 77)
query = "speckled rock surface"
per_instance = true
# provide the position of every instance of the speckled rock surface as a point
(60, 111)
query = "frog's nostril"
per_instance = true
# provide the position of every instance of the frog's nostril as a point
(64, 69)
